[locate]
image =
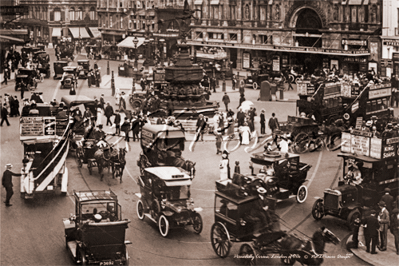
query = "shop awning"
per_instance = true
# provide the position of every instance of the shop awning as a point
(8, 39)
(78, 33)
(198, 2)
(128, 42)
(355, 2)
(56, 32)
(95, 32)
(215, 2)
(365, 2)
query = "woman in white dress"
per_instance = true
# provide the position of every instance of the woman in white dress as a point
(224, 167)
(245, 133)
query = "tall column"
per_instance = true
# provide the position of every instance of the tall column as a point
(239, 10)
(239, 59)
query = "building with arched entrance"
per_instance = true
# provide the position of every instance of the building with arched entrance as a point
(305, 35)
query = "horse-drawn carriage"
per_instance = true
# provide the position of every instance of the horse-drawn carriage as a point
(235, 221)
(162, 145)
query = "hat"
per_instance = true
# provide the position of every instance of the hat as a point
(373, 212)
(262, 190)
(389, 125)
(369, 123)
(387, 189)
(382, 204)
(8, 165)
(225, 152)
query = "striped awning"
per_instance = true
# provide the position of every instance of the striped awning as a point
(95, 32)
(128, 42)
(355, 2)
(57, 32)
(215, 2)
(198, 2)
(78, 33)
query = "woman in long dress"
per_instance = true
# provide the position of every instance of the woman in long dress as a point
(245, 133)
(224, 167)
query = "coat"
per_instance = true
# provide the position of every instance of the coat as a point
(7, 178)
(109, 111)
(388, 199)
(117, 120)
(394, 222)
(226, 99)
(383, 219)
(4, 112)
(372, 226)
(262, 118)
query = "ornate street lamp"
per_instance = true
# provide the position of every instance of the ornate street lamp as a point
(135, 42)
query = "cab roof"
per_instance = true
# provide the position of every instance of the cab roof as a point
(83, 196)
(358, 157)
(72, 100)
(172, 176)
(164, 131)
(260, 156)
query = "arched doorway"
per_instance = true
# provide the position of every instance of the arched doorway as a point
(307, 33)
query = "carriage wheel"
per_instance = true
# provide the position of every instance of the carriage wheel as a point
(155, 209)
(318, 209)
(220, 239)
(315, 144)
(302, 194)
(255, 86)
(248, 255)
(140, 210)
(90, 167)
(163, 225)
(353, 215)
(301, 142)
(197, 223)
(288, 259)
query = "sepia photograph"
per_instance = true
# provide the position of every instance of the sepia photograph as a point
(199, 132)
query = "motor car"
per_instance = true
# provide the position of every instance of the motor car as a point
(69, 78)
(95, 234)
(83, 68)
(59, 68)
(254, 79)
(165, 199)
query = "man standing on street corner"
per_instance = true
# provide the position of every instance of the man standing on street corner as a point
(383, 219)
(371, 232)
(394, 227)
(226, 101)
(7, 183)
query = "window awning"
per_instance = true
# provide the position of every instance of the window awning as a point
(78, 33)
(215, 2)
(95, 32)
(56, 32)
(198, 2)
(365, 2)
(128, 42)
(355, 2)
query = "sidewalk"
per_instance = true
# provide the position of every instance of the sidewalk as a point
(382, 258)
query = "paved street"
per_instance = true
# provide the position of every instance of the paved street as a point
(32, 231)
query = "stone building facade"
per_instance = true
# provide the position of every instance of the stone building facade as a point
(307, 35)
(390, 38)
(50, 20)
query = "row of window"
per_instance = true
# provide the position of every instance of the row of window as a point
(263, 39)
(123, 23)
(58, 15)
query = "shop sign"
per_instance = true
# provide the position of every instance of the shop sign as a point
(346, 142)
(346, 90)
(355, 42)
(355, 106)
(379, 93)
(360, 145)
(391, 42)
(302, 87)
(375, 148)
(276, 63)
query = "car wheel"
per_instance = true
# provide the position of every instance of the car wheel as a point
(248, 255)
(255, 86)
(140, 210)
(220, 240)
(318, 209)
(302, 194)
(197, 223)
(163, 225)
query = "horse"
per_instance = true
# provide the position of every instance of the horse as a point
(307, 252)
(118, 163)
(103, 158)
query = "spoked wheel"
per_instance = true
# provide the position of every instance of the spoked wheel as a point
(140, 210)
(220, 240)
(302, 194)
(163, 225)
(301, 142)
(248, 255)
(318, 209)
(197, 223)
(335, 142)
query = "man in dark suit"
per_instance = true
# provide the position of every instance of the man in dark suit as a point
(117, 122)
(388, 199)
(136, 128)
(371, 231)
(383, 219)
(7, 183)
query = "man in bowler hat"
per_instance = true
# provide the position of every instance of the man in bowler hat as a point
(371, 231)
(383, 219)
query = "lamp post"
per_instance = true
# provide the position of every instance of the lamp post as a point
(135, 42)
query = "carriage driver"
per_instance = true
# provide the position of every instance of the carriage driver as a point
(261, 211)
(354, 175)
